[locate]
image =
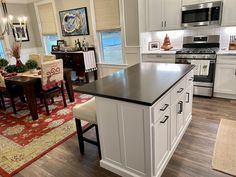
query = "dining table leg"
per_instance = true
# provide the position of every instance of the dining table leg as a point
(68, 84)
(31, 99)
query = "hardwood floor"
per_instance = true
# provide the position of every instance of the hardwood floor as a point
(192, 157)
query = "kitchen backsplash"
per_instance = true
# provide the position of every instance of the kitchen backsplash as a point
(176, 37)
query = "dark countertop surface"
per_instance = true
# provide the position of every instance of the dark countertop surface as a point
(143, 83)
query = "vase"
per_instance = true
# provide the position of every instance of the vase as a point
(18, 62)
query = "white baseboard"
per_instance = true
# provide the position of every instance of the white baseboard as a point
(223, 95)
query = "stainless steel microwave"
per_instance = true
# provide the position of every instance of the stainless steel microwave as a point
(203, 14)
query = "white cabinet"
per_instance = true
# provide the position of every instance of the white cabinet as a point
(229, 13)
(180, 107)
(190, 2)
(161, 144)
(160, 14)
(158, 58)
(188, 103)
(225, 80)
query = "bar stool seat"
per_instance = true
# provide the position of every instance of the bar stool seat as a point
(87, 112)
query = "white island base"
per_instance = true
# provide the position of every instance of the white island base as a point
(138, 140)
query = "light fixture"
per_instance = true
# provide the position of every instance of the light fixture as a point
(8, 20)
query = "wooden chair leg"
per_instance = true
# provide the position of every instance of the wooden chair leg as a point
(80, 135)
(2, 102)
(98, 141)
(46, 104)
(13, 104)
(63, 95)
(52, 100)
(22, 98)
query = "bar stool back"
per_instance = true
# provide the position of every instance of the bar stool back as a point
(87, 112)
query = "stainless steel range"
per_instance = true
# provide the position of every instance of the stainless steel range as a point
(200, 51)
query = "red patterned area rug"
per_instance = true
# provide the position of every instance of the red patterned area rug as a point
(22, 141)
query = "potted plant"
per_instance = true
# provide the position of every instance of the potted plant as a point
(3, 63)
(31, 65)
(20, 69)
(10, 68)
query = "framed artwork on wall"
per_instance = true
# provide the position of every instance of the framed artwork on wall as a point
(74, 22)
(20, 32)
(154, 45)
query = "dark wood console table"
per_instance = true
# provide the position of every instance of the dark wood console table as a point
(75, 61)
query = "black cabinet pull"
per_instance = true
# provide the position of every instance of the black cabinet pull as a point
(180, 90)
(164, 121)
(164, 108)
(188, 97)
(180, 107)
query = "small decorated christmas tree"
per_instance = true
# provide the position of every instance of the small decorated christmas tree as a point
(166, 44)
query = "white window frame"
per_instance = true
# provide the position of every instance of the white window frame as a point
(97, 34)
(44, 44)
(101, 48)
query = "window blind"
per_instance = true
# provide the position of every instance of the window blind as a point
(47, 19)
(107, 14)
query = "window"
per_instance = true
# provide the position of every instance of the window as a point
(111, 47)
(2, 51)
(49, 41)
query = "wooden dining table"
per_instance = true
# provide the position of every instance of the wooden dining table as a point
(29, 81)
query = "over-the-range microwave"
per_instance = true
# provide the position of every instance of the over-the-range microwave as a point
(203, 14)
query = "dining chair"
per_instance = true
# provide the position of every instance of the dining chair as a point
(12, 92)
(52, 82)
(47, 58)
(36, 57)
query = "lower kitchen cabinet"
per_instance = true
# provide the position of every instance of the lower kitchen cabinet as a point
(188, 103)
(158, 58)
(161, 134)
(225, 78)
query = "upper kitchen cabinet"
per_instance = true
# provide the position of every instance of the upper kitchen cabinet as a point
(190, 2)
(160, 15)
(229, 13)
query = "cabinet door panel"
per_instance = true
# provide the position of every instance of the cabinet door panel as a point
(180, 106)
(225, 80)
(188, 104)
(172, 15)
(161, 145)
(190, 2)
(155, 10)
(229, 13)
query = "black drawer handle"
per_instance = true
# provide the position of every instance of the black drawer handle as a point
(180, 90)
(180, 107)
(188, 97)
(165, 119)
(190, 80)
(164, 108)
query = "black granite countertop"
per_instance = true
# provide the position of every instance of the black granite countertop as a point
(143, 83)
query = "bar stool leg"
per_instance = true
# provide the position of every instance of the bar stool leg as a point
(80, 135)
(98, 141)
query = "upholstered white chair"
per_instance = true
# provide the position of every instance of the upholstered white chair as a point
(52, 81)
(36, 57)
(47, 58)
(87, 112)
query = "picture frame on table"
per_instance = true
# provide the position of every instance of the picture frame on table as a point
(54, 48)
(74, 22)
(60, 44)
(20, 32)
(154, 45)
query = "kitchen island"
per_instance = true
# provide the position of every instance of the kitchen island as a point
(142, 113)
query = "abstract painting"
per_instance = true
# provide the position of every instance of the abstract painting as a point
(74, 22)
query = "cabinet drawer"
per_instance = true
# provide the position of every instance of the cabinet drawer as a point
(158, 58)
(177, 91)
(189, 79)
(161, 108)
